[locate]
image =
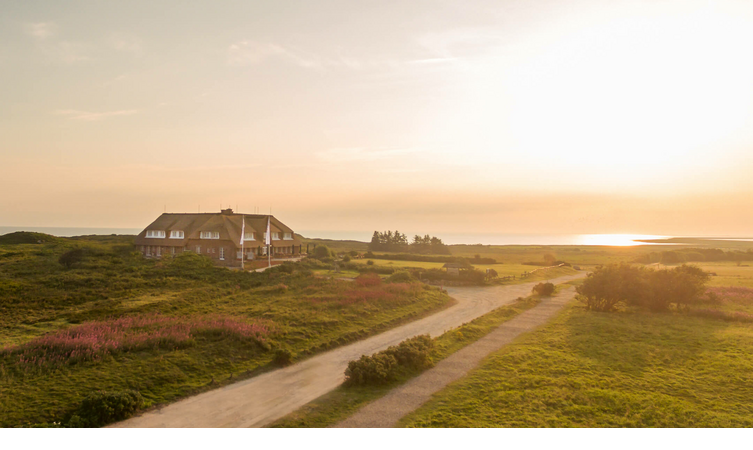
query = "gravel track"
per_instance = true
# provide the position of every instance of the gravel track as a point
(261, 400)
(386, 411)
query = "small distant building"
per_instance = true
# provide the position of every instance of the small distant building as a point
(217, 236)
(453, 268)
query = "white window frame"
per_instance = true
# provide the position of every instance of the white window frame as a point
(159, 250)
(222, 253)
(209, 235)
(247, 238)
(155, 234)
(176, 234)
(287, 236)
(275, 235)
(198, 249)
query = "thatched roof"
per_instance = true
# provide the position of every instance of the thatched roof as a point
(226, 223)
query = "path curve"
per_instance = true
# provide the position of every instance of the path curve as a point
(261, 400)
(386, 411)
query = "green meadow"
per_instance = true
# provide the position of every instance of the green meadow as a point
(301, 314)
(630, 368)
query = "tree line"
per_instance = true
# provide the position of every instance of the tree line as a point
(396, 241)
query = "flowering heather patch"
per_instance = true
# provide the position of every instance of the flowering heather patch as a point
(91, 341)
(734, 294)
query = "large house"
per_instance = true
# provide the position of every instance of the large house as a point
(217, 236)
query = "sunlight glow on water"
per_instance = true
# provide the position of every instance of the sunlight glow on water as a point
(617, 240)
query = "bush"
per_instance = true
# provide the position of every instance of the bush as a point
(401, 277)
(412, 355)
(101, 408)
(283, 357)
(346, 258)
(369, 263)
(370, 370)
(543, 289)
(72, 257)
(656, 290)
(322, 252)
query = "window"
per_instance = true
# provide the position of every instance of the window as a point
(276, 235)
(155, 233)
(172, 250)
(210, 235)
(198, 249)
(249, 236)
(176, 235)
(222, 253)
(288, 236)
(159, 251)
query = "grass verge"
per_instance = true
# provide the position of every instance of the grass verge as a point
(588, 369)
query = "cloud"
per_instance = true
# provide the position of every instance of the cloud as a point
(93, 116)
(40, 30)
(336, 155)
(246, 53)
(126, 43)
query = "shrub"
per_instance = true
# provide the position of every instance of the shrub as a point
(322, 252)
(370, 370)
(346, 258)
(369, 263)
(543, 289)
(656, 290)
(413, 355)
(283, 357)
(101, 408)
(72, 257)
(401, 277)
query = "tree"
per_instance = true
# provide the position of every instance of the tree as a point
(322, 251)
(549, 259)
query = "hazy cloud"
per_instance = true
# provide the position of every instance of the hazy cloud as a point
(40, 30)
(335, 155)
(126, 43)
(93, 116)
(245, 53)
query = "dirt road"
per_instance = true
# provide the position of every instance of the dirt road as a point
(388, 410)
(263, 399)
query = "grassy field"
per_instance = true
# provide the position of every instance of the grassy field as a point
(344, 401)
(627, 369)
(41, 303)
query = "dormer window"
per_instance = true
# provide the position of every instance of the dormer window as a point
(157, 234)
(176, 234)
(251, 236)
(288, 236)
(275, 235)
(210, 235)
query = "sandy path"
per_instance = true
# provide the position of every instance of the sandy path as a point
(388, 410)
(263, 399)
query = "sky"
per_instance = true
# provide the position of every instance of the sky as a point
(530, 116)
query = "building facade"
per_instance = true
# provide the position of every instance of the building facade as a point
(218, 237)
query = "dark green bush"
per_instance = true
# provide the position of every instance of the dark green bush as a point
(72, 257)
(371, 370)
(402, 276)
(411, 355)
(543, 289)
(369, 263)
(346, 258)
(101, 408)
(283, 357)
(322, 252)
